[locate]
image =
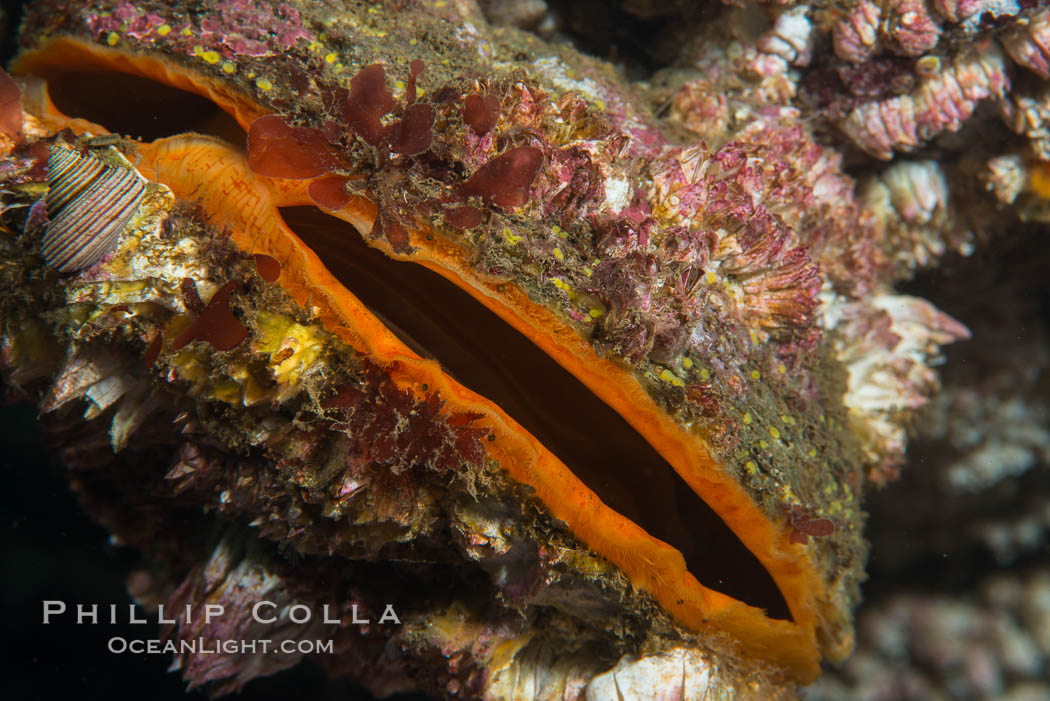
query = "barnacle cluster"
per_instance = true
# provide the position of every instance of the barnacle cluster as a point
(587, 376)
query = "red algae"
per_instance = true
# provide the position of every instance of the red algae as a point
(153, 350)
(216, 325)
(505, 180)
(396, 428)
(269, 268)
(10, 107)
(192, 300)
(464, 217)
(415, 70)
(481, 112)
(345, 397)
(816, 526)
(805, 524)
(367, 102)
(329, 192)
(412, 135)
(388, 225)
(278, 150)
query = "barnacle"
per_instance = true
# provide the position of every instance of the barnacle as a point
(440, 319)
(912, 200)
(1028, 43)
(855, 35)
(941, 103)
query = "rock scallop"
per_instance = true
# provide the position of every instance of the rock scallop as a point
(487, 346)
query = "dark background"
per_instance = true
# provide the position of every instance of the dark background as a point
(53, 551)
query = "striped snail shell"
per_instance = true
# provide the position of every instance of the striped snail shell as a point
(89, 202)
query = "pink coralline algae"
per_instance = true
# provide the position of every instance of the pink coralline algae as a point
(778, 279)
(252, 29)
(242, 28)
(128, 18)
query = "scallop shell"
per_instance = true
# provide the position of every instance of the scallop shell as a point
(690, 489)
(89, 202)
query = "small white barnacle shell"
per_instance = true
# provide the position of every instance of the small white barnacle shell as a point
(855, 36)
(89, 202)
(917, 190)
(1028, 43)
(1005, 177)
(790, 37)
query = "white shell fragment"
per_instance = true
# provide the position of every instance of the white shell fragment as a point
(677, 675)
(917, 189)
(790, 38)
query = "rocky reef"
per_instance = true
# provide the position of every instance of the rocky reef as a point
(543, 374)
(972, 587)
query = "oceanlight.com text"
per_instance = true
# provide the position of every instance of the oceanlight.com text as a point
(201, 646)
